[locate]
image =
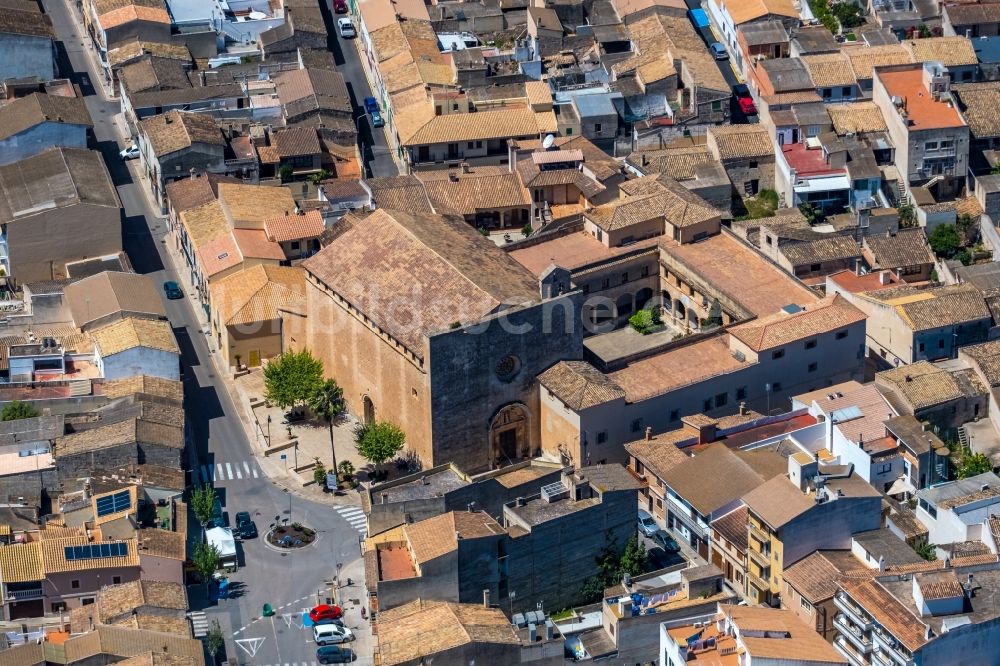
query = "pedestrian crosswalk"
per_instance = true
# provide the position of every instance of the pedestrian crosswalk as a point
(355, 516)
(229, 471)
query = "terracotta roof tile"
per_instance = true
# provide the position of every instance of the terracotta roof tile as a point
(124, 15)
(580, 385)
(906, 248)
(936, 307)
(949, 51)
(295, 227)
(856, 118)
(254, 294)
(54, 556)
(733, 527)
(752, 10)
(250, 205)
(740, 141)
(659, 454)
(829, 69)
(898, 620)
(175, 130)
(922, 384)
(405, 193)
(437, 536)
(24, 113)
(132, 332)
(21, 563)
(219, 254)
(481, 126)
(299, 141)
(715, 477)
(865, 60)
(830, 314)
(468, 194)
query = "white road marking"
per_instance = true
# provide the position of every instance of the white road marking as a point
(204, 474)
(238, 474)
(246, 468)
(229, 471)
(254, 470)
(220, 475)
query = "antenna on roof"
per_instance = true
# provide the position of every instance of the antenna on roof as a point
(548, 141)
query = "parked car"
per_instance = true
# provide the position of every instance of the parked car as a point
(130, 153)
(331, 634)
(324, 611)
(744, 99)
(340, 6)
(666, 541)
(647, 525)
(172, 290)
(334, 654)
(218, 517)
(245, 526)
(372, 109)
(346, 28)
(328, 620)
(718, 51)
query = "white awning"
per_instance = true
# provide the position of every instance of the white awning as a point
(222, 539)
(822, 184)
(900, 486)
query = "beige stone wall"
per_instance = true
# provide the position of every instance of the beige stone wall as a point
(560, 428)
(366, 364)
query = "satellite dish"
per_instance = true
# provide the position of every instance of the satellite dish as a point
(548, 141)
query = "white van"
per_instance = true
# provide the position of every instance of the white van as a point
(331, 634)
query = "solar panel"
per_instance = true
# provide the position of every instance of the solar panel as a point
(96, 550)
(109, 504)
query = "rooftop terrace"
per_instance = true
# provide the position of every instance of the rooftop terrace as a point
(923, 111)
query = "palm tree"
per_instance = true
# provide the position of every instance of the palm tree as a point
(327, 403)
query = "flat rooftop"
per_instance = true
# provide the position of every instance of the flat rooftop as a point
(537, 511)
(421, 486)
(922, 109)
(983, 606)
(571, 251)
(740, 273)
(807, 161)
(14, 463)
(713, 646)
(394, 562)
(624, 342)
(680, 366)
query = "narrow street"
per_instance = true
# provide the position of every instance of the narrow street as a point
(290, 582)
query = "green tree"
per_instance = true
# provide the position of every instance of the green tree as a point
(346, 469)
(379, 441)
(527, 230)
(206, 560)
(848, 14)
(714, 317)
(945, 240)
(973, 464)
(907, 215)
(645, 320)
(327, 403)
(16, 410)
(214, 639)
(319, 474)
(613, 564)
(290, 379)
(203, 504)
(812, 213)
(927, 551)
(634, 559)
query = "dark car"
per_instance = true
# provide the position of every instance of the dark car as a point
(666, 541)
(245, 526)
(329, 620)
(372, 109)
(172, 290)
(340, 6)
(334, 654)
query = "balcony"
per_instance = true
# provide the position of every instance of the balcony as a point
(758, 582)
(857, 615)
(879, 658)
(759, 534)
(853, 634)
(853, 656)
(890, 648)
(25, 595)
(762, 559)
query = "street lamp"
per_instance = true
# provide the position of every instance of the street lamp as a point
(269, 430)
(339, 565)
(513, 594)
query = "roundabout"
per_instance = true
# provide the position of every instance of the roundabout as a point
(290, 537)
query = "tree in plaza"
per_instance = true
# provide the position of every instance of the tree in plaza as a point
(379, 441)
(14, 411)
(291, 378)
(327, 403)
(973, 464)
(206, 560)
(203, 503)
(319, 474)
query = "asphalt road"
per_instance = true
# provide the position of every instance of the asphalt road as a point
(737, 117)
(375, 152)
(289, 581)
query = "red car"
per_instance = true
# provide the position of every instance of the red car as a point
(340, 6)
(744, 99)
(325, 612)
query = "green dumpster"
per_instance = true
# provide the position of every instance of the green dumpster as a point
(268, 611)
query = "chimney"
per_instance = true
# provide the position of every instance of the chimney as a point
(743, 408)
(486, 597)
(453, 177)
(519, 501)
(385, 498)
(881, 563)
(649, 433)
(167, 119)
(465, 167)
(883, 277)
(550, 630)
(424, 481)
(469, 506)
